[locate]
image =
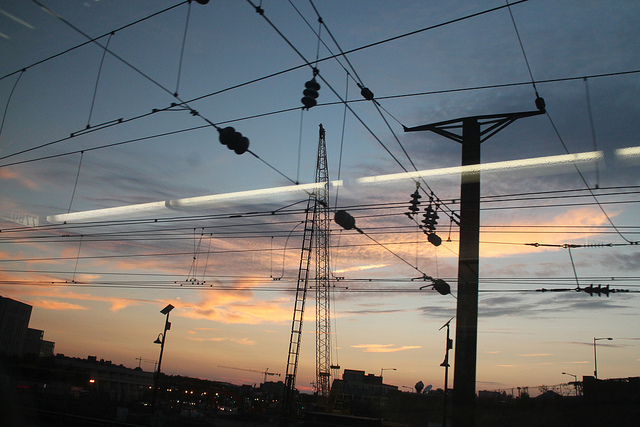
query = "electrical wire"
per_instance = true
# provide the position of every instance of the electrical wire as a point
(6, 107)
(75, 185)
(593, 129)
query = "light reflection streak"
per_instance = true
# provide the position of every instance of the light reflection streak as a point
(539, 165)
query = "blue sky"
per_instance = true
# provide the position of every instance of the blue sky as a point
(583, 57)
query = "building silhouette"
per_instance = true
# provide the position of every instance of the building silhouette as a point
(16, 338)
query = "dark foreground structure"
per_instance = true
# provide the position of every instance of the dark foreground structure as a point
(64, 391)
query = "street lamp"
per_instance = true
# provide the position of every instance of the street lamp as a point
(445, 364)
(575, 381)
(595, 358)
(160, 340)
(386, 369)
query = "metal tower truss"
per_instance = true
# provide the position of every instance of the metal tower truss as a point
(323, 324)
(298, 309)
(316, 235)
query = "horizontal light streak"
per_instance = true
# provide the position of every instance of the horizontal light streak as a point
(538, 164)
(509, 165)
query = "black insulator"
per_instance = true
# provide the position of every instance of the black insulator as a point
(242, 145)
(309, 102)
(434, 239)
(366, 94)
(234, 140)
(345, 220)
(202, 1)
(226, 135)
(312, 84)
(442, 287)
(540, 104)
(310, 93)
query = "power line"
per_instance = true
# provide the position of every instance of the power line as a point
(91, 40)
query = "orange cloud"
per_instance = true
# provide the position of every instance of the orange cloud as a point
(55, 305)
(384, 348)
(241, 341)
(236, 307)
(513, 236)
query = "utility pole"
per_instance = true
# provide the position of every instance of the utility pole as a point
(464, 376)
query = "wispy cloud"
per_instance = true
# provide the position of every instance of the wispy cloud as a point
(56, 305)
(384, 348)
(242, 341)
(361, 268)
(236, 307)
(10, 173)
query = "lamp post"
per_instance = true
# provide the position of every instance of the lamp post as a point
(160, 340)
(575, 381)
(445, 364)
(595, 357)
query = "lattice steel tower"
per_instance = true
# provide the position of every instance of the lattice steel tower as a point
(316, 236)
(323, 286)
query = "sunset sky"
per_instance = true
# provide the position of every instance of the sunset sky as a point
(116, 197)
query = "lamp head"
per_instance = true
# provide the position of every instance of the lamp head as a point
(158, 340)
(167, 309)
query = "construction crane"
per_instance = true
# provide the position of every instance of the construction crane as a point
(265, 372)
(323, 325)
(316, 223)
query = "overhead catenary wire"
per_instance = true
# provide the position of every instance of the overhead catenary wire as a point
(154, 222)
(6, 106)
(95, 89)
(155, 82)
(369, 96)
(542, 106)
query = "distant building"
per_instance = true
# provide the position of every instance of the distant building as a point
(36, 345)
(116, 382)
(16, 338)
(14, 323)
(359, 390)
